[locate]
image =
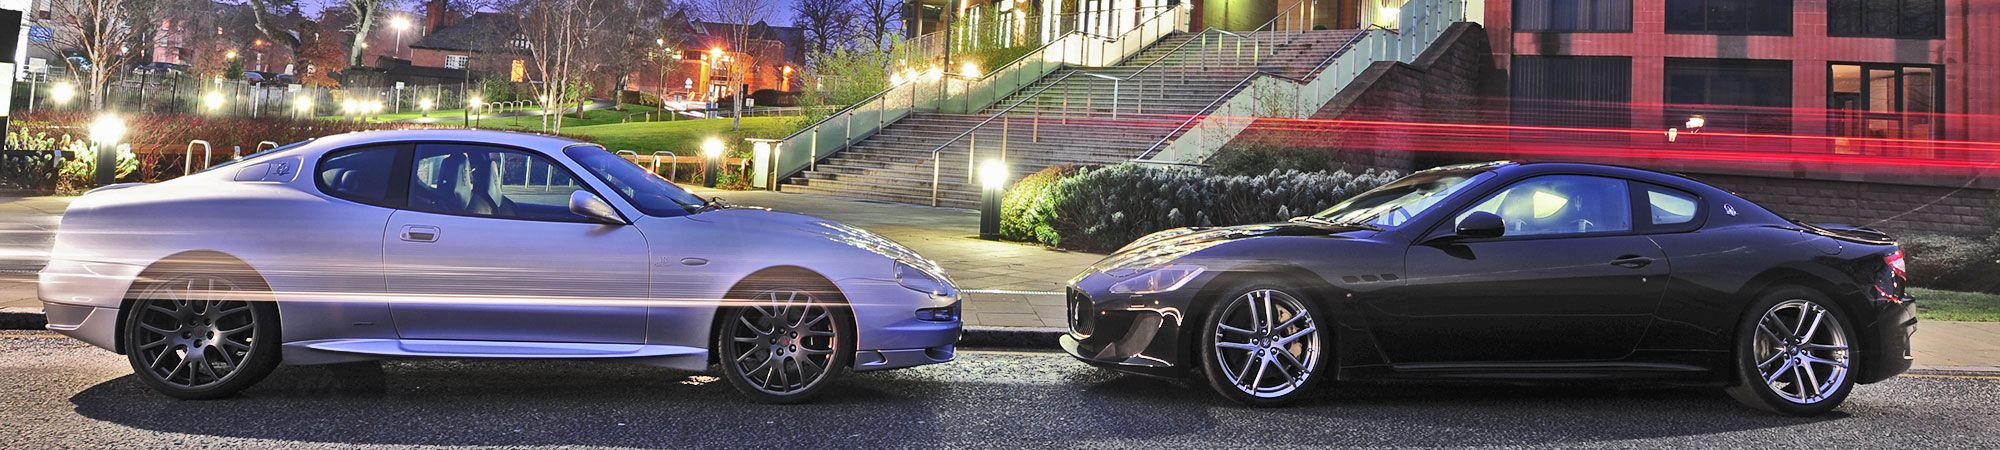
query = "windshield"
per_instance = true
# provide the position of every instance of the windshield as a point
(1396, 203)
(653, 195)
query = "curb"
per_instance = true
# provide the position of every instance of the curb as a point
(1020, 338)
(21, 319)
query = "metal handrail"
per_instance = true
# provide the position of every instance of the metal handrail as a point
(1205, 110)
(261, 144)
(1344, 48)
(937, 166)
(187, 160)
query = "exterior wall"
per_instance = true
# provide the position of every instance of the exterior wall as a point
(1900, 210)
(1449, 83)
(1969, 53)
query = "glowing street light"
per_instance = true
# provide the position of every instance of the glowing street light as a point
(969, 70)
(105, 132)
(303, 104)
(229, 54)
(212, 100)
(712, 150)
(993, 180)
(399, 23)
(62, 92)
(425, 104)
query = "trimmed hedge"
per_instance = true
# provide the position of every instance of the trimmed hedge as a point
(1953, 263)
(1105, 208)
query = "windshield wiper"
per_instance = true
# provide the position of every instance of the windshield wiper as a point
(1325, 221)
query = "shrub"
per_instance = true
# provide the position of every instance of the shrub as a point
(1102, 209)
(1027, 210)
(1952, 262)
(79, 172)
(1257, 160)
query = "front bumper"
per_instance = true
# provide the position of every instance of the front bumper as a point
(888, 334)
(1140, 334)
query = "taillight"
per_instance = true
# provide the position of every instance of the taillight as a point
(1895, 261)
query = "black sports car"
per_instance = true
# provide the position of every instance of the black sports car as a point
(1509, 271)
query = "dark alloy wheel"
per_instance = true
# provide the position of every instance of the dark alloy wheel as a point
(202, 336)
(1262, 345)
(1794, 354)
(785, 346)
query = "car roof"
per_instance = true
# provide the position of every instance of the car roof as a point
(536, 142)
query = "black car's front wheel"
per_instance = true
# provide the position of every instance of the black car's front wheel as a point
(202, 336)
(1794, 354)
(785, 346)
(1262, 344)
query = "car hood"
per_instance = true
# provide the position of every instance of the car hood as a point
(773, 223)
(1164, 246)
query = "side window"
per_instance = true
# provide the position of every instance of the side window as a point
(1560, 204)
(481, 181)
(1667, 206)
(361, 175)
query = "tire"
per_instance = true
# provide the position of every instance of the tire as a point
(202, 335)
(1290, 341)
(786, 346)
(1777, 370)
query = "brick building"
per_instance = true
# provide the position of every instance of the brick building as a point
(694, 59)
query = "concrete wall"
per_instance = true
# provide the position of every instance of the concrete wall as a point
(1898, 209)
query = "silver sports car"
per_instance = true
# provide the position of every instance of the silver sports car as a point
(473, 244)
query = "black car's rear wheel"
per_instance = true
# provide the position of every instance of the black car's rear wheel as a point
(1262, 344)
(785, 346)
(202, 336)
(1794, 354)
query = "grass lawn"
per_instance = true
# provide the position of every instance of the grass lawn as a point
(1934, 304)
(682, 136)
(534, 123)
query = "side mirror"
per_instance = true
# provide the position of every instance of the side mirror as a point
(1480, 224)
(584, 203)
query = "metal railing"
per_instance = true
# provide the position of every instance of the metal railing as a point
(934, 90)
(1420, 23)
(671, 167)
(187, 159)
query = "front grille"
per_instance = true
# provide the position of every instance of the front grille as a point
(1082, 314)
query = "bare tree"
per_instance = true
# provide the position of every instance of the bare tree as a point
(558, 31)
(632, 29)
(265, 15)
(744, 16)
(364, 12)
(827, 23)
(104, 33)
(879, 19)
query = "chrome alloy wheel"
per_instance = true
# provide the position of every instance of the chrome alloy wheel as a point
(1267, 343)
(193, 333)
(1801, 352)
(785, 342)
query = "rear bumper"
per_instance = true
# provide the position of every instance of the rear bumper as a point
(1888, 353)
(81, 299)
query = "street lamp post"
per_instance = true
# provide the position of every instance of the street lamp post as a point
(105, 133)
(399, 23)
(992, 181)
(712, 151)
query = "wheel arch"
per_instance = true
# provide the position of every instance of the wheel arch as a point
(1850, 303)
(741, 289)
(185, 261)
(1318, 291)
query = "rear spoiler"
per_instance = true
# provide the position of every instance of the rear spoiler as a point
(1854, 231)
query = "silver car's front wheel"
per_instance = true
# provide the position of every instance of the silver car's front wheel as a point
(200, 336)
(1262, 345)
(784, 345)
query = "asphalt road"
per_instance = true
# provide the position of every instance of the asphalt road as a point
(56, 393)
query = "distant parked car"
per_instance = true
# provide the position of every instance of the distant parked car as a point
(1507, 271)
(159, 68)
(478, 244)
(254, 77)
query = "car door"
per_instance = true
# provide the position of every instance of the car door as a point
(1568, 281)
(487, 250)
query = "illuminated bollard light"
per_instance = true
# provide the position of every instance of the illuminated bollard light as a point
(993, 183)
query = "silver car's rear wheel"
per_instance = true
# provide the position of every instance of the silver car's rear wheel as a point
(1263, 345)
(201, 336)
(784, 346)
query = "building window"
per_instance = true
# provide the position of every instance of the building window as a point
(1573, 15)
(455, 61)
(1572, 91)
(519, 41)
(1918, 19)
(1733, 95)
(1730, 16)
(1885, 101)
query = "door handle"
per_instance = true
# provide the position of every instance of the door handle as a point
(420, 233)
(1632, 261)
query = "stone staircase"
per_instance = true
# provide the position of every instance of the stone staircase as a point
(1067, 117)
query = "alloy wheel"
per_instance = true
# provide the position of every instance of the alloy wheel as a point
(785, 342)
(1802, 353)
(1267, 343)
(192, 333)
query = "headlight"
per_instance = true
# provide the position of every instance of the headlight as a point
(1163, 279)
(922, 281)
